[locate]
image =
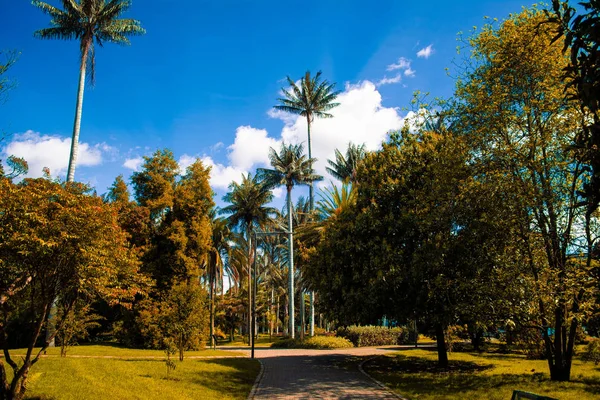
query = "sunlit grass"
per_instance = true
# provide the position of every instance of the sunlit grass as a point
(413, 374)
(262, 341)
(113, 350)
(97, 378)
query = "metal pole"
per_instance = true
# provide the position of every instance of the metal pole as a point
(253, 325)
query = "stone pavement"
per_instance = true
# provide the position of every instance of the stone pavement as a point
(317, 374)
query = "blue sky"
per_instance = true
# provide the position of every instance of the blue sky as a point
(202, 80)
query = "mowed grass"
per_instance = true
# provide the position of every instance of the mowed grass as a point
(414, 375)
(113, 350)
(261, 341)
(100, 378)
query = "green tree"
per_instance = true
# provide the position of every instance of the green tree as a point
(344, 167)
(522, 128)
(290, 167)
(179, 320)
(247, 210)
(87, 21)
(57, 244)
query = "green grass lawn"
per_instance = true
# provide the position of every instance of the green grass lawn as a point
(99, 378)
(261, 341)
(113, 350)
(414, 375)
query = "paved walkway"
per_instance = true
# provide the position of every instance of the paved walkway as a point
(317, 374)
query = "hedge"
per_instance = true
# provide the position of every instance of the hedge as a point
(362, 336)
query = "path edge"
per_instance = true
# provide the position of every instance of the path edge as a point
(257, 380)
(381, 385)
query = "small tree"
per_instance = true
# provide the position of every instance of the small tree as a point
(179, 320)
(76, 323)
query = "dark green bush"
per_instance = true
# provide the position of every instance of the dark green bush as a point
(362, 336)
(592, 351)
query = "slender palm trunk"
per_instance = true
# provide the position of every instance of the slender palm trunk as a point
(212, 309)
(78, 111)
(277, 317)
(72, 161)
(312, 206)
(291, 263)
(250, 259)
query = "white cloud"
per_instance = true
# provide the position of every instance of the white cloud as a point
(185, 161)
(360, 118)
(251, 147)
(409, 72)
(385, 80)
(278, 192)
(222, 175)
(403, 63)
(53, 152)
(426, 52)
(133, 163)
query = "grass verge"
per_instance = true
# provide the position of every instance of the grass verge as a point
(414, 374)
(114, 350)
(97, 378)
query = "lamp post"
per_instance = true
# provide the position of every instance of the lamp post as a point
(254, 285)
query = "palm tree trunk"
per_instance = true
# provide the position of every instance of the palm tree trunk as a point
(291, 262)
(277, 317)
(312, 207)
(212, 309)
(78, 111)
(312, 313)
(72, 161)
(250, 333)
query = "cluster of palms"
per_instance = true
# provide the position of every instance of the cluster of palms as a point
(98, 21)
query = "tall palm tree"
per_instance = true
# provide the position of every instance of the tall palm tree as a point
(290, 167)
(221, 236)
(87, 21)
(344, 168)
(247, 209)
(312, 99)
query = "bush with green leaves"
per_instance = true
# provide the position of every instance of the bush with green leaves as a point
(315, 342)
(592, 351)
(362, 336)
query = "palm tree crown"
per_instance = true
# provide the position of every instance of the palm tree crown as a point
(87, 21)
(344, 168)
(247, 203)
(290, 167)
(313, 98)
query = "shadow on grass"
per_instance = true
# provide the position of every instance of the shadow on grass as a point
(417, 375)
(237, 383)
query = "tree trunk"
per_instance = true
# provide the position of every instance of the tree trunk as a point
(312, 207)
(212, 309)
(302, 316)
(441, 346)
(277, 317)
(291, 263)
(78, 111)
(250, 259)
(312, 313)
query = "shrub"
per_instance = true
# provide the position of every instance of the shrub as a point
(373, 335)
(592, 351)
(315, 342)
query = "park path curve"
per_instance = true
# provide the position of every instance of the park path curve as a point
(317, 374)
